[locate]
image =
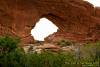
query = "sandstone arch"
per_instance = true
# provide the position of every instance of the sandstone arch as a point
(17, 17)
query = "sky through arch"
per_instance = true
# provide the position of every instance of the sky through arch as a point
(43, 28)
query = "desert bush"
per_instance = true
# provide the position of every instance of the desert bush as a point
(46, 59)
(64, 43)
(8, 48)
(13, 56)
(8, 44)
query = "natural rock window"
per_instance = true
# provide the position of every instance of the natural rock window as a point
(43, 29)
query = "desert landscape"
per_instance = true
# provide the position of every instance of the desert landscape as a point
(75, 44)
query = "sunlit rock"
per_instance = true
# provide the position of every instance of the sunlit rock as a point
(77, 17)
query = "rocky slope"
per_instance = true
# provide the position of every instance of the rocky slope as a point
(77, 17)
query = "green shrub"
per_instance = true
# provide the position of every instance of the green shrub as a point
(8, 44)
(64, 43)
(8, 48)
(13, 56)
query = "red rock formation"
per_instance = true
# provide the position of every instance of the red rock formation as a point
(77, 17)
(58, 36)
(97, 12)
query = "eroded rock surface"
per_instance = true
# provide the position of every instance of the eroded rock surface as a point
(77, 17)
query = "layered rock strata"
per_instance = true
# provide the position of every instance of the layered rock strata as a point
(77, 17)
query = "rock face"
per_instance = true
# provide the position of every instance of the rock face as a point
(58, 36)
(77, 17)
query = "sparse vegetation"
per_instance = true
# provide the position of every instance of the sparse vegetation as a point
(64, 43)
(13, 56)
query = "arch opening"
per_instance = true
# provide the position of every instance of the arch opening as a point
(43, 29)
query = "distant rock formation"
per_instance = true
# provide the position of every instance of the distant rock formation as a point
(77, 17)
